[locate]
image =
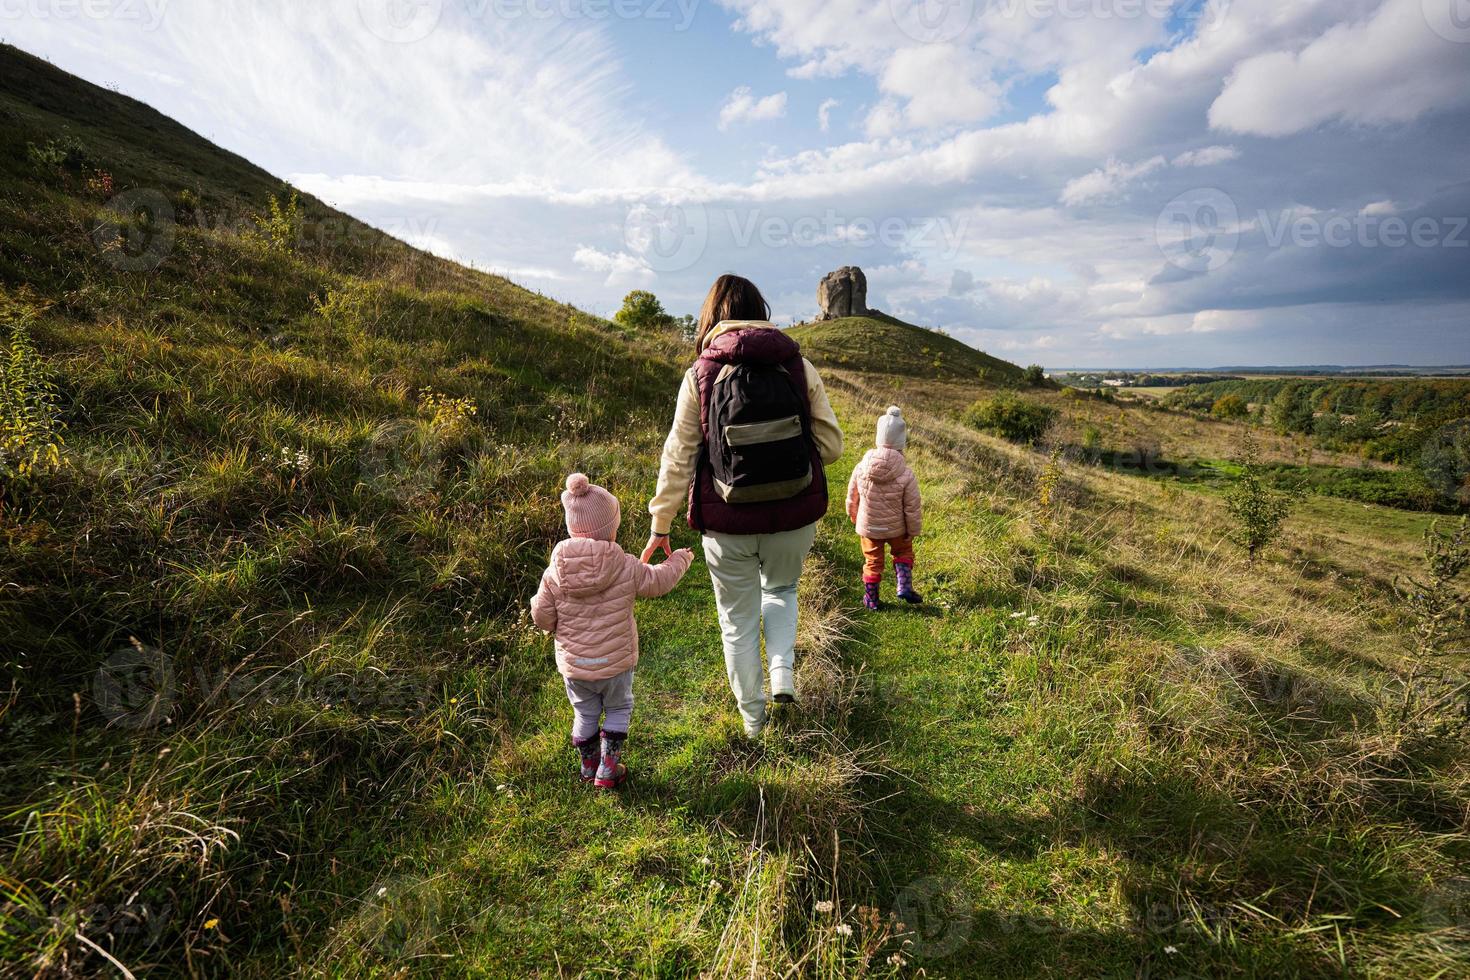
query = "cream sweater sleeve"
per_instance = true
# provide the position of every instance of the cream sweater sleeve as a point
(681, 453)
(681, 448)
(825, 430)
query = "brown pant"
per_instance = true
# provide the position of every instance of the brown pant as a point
(901, 548)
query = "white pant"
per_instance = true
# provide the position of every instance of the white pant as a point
(755, 577)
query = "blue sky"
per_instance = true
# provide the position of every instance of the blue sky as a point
(1101, 182)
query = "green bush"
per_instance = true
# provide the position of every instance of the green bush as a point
(1035, 375)
(642, 311)
(1229, 407)
(1011, 417)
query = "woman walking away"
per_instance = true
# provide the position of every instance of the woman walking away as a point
(883, 501)
(586, 602)
(752, 432)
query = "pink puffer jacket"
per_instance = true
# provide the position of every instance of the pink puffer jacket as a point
(586, 602)
(883, 497)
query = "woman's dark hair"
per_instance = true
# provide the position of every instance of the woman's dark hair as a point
(731, 298)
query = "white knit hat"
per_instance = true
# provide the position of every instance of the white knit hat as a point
(893, 432)
(592, 512)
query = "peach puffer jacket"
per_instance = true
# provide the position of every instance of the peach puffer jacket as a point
(883, 496)
(586, 602)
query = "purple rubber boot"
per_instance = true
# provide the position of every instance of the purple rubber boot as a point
(870, 596)
(905, 574)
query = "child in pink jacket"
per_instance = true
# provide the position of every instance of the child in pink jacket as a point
(883, 501)
(586, 602)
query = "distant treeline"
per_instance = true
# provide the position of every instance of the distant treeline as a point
(1420, 422)
(1138, 379)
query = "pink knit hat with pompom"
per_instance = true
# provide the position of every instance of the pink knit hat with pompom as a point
(592, 512)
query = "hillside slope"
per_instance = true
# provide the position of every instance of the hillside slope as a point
(272, 706)
(882, 344)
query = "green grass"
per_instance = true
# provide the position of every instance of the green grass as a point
(881, 344)
(1102, 738)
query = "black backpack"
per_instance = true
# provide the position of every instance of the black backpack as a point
(759, 441)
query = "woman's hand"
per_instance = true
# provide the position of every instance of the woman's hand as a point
(655, 542)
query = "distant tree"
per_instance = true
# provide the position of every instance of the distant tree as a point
(1257, 508)
(688, 326)
(1035, 375)
(642, 311)
(1229, 407)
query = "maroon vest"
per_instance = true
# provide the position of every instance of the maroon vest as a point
(707, 512)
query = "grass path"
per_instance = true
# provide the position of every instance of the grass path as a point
(972, 767)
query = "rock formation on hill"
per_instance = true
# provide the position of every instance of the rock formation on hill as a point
(843, 293)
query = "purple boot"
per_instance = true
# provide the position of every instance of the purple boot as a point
(904, 572)
(870, 596)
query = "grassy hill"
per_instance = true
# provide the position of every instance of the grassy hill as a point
(886, 345)
(270, 703)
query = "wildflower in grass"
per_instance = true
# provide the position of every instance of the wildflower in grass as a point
(843, 929)
(824, 906)
(1171, 950)
(296, 462)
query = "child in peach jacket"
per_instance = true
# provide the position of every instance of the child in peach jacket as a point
(883, 501)
(586, 602)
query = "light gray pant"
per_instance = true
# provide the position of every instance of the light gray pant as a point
(755, 578)
(592, 700)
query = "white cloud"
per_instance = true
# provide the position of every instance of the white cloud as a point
(824, 114)
(1109, 183)
(1206, 156)
(1388, 68)
(622, 269)
(743, 106)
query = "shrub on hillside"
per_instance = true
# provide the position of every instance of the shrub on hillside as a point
(1229, 407)
(30, 430)
(1035, 375)
(1011, 417)
(1256, 508)
(280, 230)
